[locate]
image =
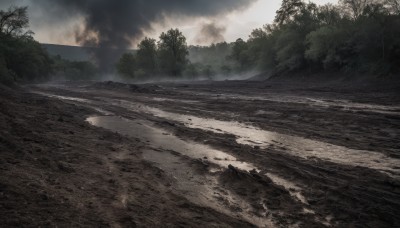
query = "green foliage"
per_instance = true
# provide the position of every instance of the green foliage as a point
(73, 70)
(289, 8)
(14, 22)
(126, 66)
(167, 58)
(356, 36)
(241, 55)
(5, 76)
(213, 57)
(172, 52)
(27, 59)
(22, 59)
(147, 56)
(192, 71)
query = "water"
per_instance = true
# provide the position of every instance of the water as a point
(201, 189)
(323, 103)
(297, 146)
(167, 141)
(67, 98)
(250, 135)
(204, 189)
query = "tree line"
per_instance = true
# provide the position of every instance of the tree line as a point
(168, 56)
(351, 37)
(24, 60)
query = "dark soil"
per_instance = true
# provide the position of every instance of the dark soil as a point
(57, 170)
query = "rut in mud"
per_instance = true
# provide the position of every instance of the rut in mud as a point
(269, 158)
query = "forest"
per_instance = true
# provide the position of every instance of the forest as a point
(352, 37)
(24, 60)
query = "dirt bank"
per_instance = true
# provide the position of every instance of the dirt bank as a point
(58, 171)
(214, 154)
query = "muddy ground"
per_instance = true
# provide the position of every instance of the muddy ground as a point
(224, 154)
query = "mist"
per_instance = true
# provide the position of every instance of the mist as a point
(118, 24)
(210, 33)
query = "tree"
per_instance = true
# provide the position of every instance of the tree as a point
(393, 5)
(147, 56)
(240, 55)
(126, 66)
(288, 9)
(329, 15)
(208, 72)
(14, 22)
(173, 52)
(356, 7)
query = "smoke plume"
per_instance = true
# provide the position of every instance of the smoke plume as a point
(115, 24)
(210, 33)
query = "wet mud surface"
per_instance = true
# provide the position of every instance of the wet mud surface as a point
(255, 154)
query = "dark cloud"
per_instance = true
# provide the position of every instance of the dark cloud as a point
(210, 33)
(117, 23)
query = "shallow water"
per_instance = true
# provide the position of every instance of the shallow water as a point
(204, 189)
(298, 146)
(167, 141)
(67, 98)
(201, 189)
(250, 135)
(324, 103)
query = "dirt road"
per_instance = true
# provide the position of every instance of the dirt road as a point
(237, 153)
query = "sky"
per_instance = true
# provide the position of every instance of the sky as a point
(238, 24)
(52, 25)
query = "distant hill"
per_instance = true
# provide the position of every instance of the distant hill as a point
(73, 53)
(76, 53)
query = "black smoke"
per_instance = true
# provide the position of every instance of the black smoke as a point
(115, 24)
(210, 33)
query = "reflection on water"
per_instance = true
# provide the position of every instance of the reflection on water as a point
(294, 190)
(325, 103)
(298, 146)
(201, 189)
(204, 189)
(167, 141)
(250, 135)
(64, 97)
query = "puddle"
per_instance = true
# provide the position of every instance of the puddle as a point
(297, 146)
(200, 189)
(354, 106)
(88, 103)
(64, 97)
(160, 99)
(204, 189)
(294, 190)
(165, 140)
(250, 135)
(344, 104)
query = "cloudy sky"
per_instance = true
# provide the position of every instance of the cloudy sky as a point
(201, 21)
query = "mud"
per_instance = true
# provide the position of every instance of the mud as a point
(249, 153)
